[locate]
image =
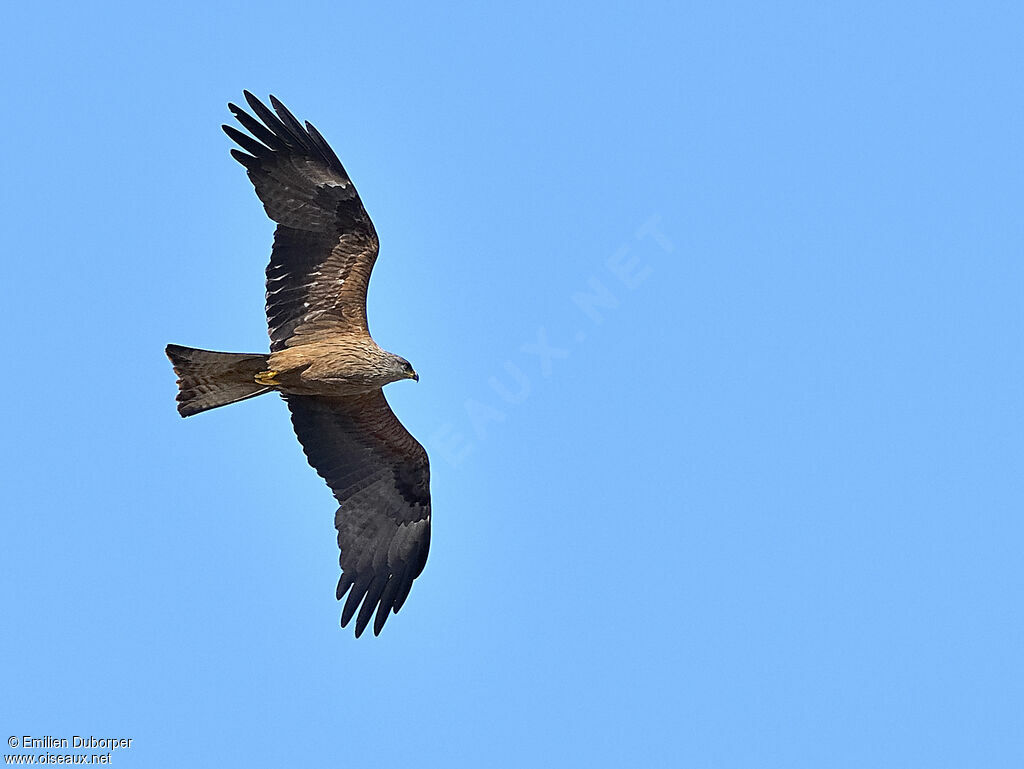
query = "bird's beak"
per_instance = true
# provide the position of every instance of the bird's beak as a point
(414, 376)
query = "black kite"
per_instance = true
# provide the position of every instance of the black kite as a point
(324, 362)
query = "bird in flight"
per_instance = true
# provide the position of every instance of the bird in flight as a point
(324, 362)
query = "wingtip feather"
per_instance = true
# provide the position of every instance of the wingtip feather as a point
(246, 160)
(244, 141)
(373, 594)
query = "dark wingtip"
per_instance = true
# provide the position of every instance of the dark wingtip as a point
(353, 600)
(252, 101)
(383, 610)
(373, 595)
(246, 160)
(344, 583)
(247, 143)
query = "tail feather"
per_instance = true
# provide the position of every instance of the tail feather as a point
(209, 379)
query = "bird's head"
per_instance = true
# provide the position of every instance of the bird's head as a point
(400, 368)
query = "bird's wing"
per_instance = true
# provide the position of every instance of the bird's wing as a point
(325, 244)
(380, 475)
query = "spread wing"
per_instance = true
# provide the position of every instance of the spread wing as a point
(380, 475)
(325, 244)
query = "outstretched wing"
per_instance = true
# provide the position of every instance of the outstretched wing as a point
(325, 244)
(380, 475)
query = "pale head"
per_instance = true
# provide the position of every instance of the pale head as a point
(399, 368)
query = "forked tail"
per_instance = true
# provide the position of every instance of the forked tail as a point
(209, 379)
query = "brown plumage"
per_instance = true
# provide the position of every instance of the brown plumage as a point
(324, 362)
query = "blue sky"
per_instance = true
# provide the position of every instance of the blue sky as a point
(716, 309)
